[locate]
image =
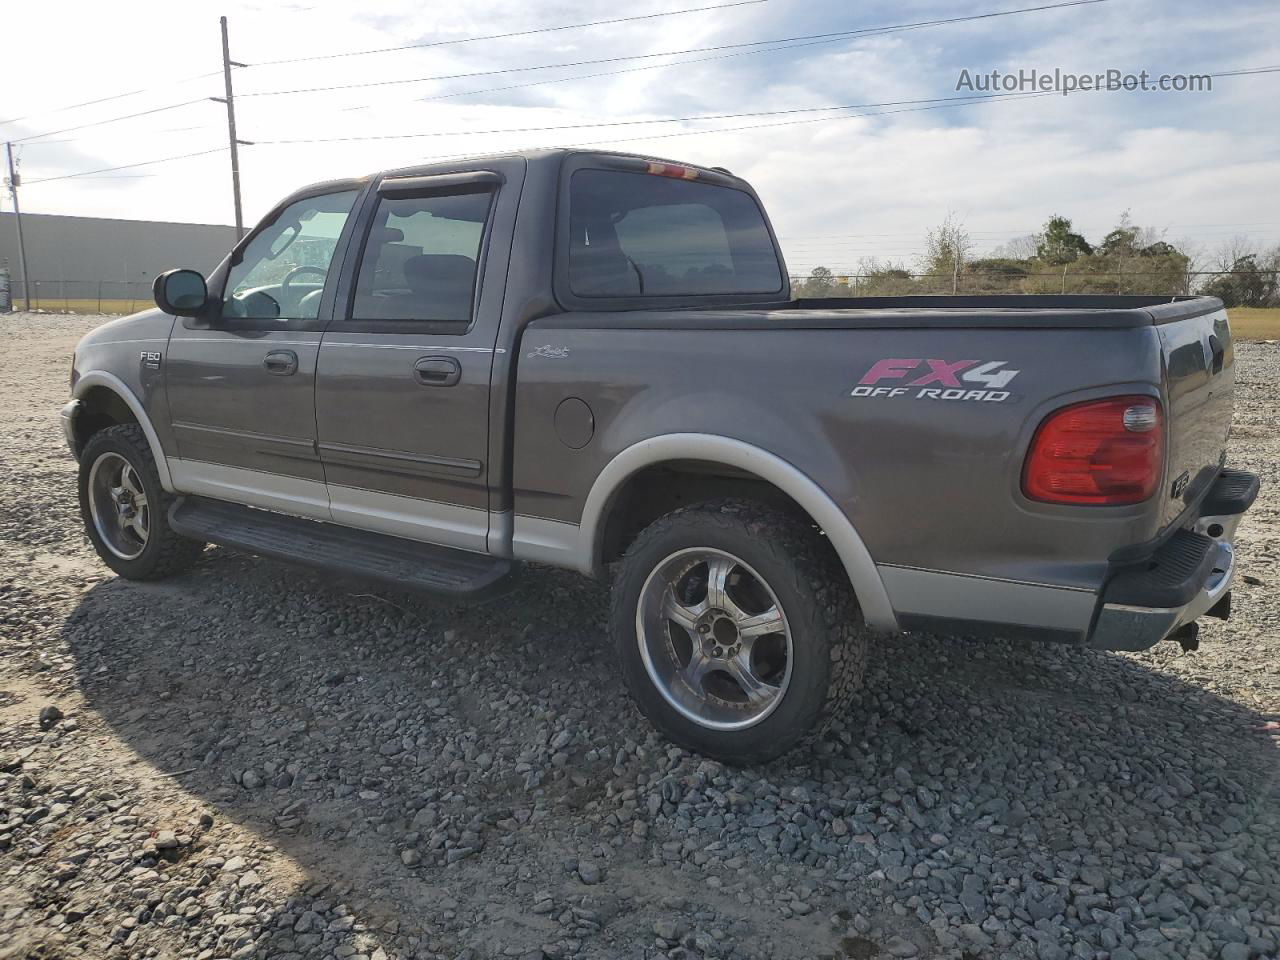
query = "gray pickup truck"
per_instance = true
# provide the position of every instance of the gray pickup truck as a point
(593, 360)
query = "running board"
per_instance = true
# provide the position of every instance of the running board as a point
(329, 546)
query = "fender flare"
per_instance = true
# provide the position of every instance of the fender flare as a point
(100, 378)
(877, 610)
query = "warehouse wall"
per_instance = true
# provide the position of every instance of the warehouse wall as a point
(72, 257)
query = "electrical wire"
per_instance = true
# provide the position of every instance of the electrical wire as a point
(100, 123)
(114, 96)
(833, 36)
(504, 36)
(124, 166)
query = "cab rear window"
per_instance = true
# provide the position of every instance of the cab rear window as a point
(639, 235)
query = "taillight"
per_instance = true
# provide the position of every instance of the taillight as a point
(1103, 452)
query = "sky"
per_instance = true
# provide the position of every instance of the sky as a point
(1198, 167)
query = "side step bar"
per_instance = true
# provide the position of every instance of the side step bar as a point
(329, 546)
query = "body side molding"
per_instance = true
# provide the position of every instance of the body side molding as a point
(100, 378)
(853, 553)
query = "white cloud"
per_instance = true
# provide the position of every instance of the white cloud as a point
(838, 190)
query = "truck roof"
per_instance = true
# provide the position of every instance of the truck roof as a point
(543, 156)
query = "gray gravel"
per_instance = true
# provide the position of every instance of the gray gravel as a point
(253, 761)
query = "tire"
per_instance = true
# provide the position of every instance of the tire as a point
(121, 453)
(821, 636)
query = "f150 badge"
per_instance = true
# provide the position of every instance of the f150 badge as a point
(982, 380)
(151, 359)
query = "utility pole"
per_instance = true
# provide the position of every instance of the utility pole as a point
(14, 182)
(229, 100)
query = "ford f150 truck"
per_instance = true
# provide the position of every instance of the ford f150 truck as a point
(431, 375)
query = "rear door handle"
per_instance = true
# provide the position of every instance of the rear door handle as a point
(437, 371)
(281, 363)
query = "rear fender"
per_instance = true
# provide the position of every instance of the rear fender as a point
(853, 553)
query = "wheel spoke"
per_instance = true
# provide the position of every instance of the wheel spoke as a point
(760, 624)
(678, 613)
(129, 480)
(138, 524)
(757, 691)
(696, 670)
(718, 571)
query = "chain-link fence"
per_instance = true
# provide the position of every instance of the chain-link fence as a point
(129, 296)
(82, 296)
(896, 282)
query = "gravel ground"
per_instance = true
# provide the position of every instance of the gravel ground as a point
(252, 761)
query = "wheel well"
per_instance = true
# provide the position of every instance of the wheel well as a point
(100, 407)
(659, 489)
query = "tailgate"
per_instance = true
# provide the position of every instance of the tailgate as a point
(1199, 369)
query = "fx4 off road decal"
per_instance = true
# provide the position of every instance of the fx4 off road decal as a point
(983, 380)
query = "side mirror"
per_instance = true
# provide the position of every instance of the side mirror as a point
(180, 292)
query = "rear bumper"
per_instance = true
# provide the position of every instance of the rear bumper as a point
(1189, 576)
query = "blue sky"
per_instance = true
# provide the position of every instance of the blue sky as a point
(1200, 167)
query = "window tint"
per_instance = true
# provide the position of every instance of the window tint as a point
(420, 259)
(281, 275)
(635, 234)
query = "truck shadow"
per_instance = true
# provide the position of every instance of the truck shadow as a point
(353, 709)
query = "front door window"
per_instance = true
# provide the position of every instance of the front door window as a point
(282, 271)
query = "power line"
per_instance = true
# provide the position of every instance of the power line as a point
(357, 53)
(114, 96)
(504, 36)
(124, 166)
(629, 123)
(99, 123)
(833, 36)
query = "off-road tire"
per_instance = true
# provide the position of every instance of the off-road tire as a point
(828, 633)
(165, 553)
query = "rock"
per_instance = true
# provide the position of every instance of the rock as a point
(589, 873)
(410, 857)
(898, 947)
(561, 740)
(669, 929)
(1235, 951)
(48, 716)
(166, 840)
(251, 780)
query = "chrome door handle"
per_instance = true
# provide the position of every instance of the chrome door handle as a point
(437, 371)
(281, 363)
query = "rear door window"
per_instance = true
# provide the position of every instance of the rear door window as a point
(640, 235)
(421, 259)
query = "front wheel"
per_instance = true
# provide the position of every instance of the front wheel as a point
(737, 630)
(125, 508)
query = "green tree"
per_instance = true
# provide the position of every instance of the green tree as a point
(1059, 244)
(820, 283)
(946, 248)
(1248, 284)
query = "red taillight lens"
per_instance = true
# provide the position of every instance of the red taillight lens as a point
(1104, 452)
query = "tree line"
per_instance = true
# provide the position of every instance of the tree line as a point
(1129, 260)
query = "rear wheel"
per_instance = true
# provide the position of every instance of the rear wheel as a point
(737, 630)
(125, 509)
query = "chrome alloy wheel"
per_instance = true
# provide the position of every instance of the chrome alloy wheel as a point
(118, 505)
(714, 639)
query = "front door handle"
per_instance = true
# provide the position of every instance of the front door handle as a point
(437, 371)
(281, 363)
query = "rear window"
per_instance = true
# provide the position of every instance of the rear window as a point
(635, 234)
